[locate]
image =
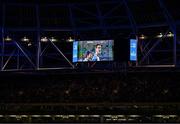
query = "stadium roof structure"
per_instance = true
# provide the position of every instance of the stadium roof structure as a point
(95, 19)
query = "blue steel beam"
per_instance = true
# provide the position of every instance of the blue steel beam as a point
(2, 35)
(101, 19)
(167, 15)
(72, 18)
(24, 53)
(172, 26)
(132, 21)
(86, 22)
(105, 17)
(152, 48)
(144, 48)
(9, 58)
(18, 59)
(112, 10)
(131, 18)
(175, 48)
(54, 45)
(43, 51)
(38, 38)
(84, 11)
(120, 26)
(59, 4)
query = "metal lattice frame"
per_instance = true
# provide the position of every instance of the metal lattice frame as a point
(75, 29)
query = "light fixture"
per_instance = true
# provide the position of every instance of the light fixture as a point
(70, 39)
(7, 39)
(25, 39)
(170, 34)
(52, 39)
(160, 35)
(44, 39)
(142, 37)
(29, 44)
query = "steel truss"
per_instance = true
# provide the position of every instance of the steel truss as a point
(147, 48)
(15, 56)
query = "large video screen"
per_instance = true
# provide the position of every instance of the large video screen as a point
(93, 50)
(133, 49)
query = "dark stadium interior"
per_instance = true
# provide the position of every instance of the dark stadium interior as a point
(39, 82)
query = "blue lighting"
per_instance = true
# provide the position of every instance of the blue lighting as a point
(133, 50)
(75, 51)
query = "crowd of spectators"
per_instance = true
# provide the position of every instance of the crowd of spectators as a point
(130, 87)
